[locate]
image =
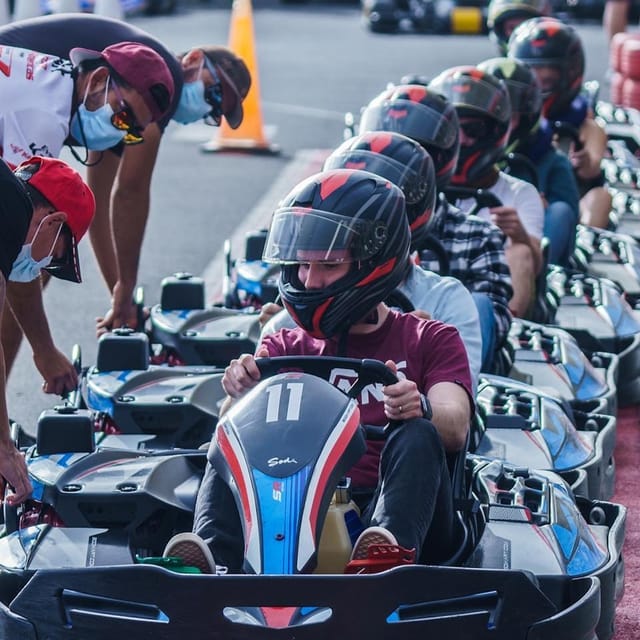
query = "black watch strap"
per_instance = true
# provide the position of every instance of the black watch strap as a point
(427, 412)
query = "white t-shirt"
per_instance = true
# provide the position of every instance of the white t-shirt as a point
(36, 91)
(520, 195)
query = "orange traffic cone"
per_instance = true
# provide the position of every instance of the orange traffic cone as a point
(249, 136)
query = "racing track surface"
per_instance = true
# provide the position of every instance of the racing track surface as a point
(627, 456)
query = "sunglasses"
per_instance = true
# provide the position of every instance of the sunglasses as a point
(124, 120)
(213, 96)
(476, 128)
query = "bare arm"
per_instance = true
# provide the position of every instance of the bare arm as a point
(101, 177)
(26, 303)
(451, 413)
(12, 465)
(587, 161)
(507, 219)
(449, 403)
(130, 202)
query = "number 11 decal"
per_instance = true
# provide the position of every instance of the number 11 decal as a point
(293, 404)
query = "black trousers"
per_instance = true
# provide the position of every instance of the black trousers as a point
(413, 499)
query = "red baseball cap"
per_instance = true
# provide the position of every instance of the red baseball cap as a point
(142, 68)
(65, 189)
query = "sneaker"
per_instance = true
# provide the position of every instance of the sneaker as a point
(192, 550)
(378, 550)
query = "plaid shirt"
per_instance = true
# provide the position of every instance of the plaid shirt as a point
(476, 257)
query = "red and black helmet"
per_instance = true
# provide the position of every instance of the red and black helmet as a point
(477, 94)
(548, 42)
(401, 160)
(422, 115)
(501, 11)
(336, 216)
(524, 92)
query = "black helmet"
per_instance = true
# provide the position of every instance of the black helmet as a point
(524, 92)
(500, 11)
(548, 42)
(401, 160)
(338, 213)
(422, 115)
(474, 93)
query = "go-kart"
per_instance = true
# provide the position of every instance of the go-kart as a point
(429, 16)
(593, 309)
(139, 405)
(526, 427)
(528, 560)
(551, 360)
(596, 313)
(185, 331)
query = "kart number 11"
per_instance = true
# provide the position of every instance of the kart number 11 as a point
(293, 402)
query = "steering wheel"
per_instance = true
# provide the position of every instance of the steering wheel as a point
(368, 371)
(483, 197)
(400, 301)
(567, 134)
(519, 160)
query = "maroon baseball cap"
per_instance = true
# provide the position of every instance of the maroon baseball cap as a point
(235, 79)
(142, 68)
(65, 189)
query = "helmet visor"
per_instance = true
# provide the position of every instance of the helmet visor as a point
(474, 94)
(413, 119)
(524, 98)
(308, 235)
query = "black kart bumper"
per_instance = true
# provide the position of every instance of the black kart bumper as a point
(410, 603)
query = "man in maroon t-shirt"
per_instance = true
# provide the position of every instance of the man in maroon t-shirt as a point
(343, 240)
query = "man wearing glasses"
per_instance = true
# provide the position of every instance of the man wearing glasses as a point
(96, 99)
(210, 82)
(45, 208)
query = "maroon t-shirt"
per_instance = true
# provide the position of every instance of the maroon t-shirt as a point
(425, 351)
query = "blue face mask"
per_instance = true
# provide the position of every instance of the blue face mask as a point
(25, 268)
(94, 128)
(192, 106)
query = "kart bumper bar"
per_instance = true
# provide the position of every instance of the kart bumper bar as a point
(409, 603)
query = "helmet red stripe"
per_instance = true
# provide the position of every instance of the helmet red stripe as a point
(378, 272)
(332, 183)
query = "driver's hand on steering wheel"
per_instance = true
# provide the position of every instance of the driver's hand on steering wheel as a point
(507, 219)
(401, 399)
(267, 311)
(242, 373)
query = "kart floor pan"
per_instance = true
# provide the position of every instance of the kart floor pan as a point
(408, 603)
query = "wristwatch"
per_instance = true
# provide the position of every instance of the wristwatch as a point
(427, 412)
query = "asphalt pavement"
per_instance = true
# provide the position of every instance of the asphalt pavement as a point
(314, 62)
